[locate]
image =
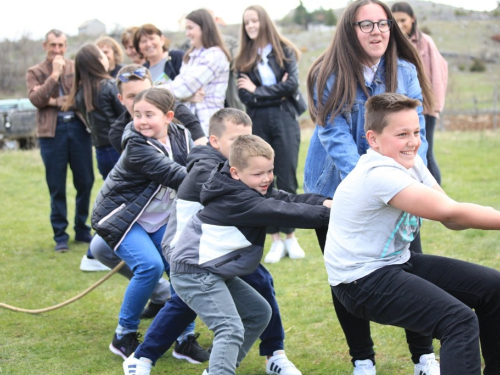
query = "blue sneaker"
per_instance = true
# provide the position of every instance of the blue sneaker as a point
(83, 237)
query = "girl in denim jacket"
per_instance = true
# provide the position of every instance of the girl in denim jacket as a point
(367, 56)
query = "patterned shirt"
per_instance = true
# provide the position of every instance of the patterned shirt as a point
(207, 69)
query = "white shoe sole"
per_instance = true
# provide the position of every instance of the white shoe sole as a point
(185, 357)
(116, 351)
(92, 265)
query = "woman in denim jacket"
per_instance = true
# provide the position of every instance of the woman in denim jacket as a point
(366, 48)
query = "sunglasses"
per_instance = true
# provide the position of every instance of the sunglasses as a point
(139, 73)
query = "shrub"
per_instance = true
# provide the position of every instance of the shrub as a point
(477, 66)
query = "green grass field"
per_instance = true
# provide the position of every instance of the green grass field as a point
(75, 339)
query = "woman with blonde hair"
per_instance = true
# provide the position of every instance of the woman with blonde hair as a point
(127, 38)
(113, 52)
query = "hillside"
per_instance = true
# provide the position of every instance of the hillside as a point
(460, 35)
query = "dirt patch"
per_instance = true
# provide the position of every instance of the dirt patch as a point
(456, 122)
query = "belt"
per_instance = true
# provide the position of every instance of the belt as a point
(66, 118)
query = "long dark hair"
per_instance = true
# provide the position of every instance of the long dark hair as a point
(344, 57)
(89, 72)
(248, 56)
(404, 7)
(210, 34)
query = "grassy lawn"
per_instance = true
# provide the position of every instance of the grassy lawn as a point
(75, 339)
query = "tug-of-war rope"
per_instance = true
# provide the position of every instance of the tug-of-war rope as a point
(71, 300)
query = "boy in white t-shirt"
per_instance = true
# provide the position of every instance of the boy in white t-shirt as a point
(376, 212)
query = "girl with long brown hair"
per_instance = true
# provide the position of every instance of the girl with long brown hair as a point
(268, 83)
(368, 55)
(204, 75)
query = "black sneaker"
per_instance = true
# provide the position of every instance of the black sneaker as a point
(190, 350)
(126, 345)
(151, 310)
(61, 246)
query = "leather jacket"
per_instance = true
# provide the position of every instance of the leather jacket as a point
(279, 94)
(107, 109)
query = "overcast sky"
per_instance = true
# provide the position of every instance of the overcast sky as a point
(35, 18)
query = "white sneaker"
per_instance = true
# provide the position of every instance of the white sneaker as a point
(205, 372)
(293, 248)
(92, 265)
(276, 253)
(364, 367)
(427, 366)
(134, 366)
(279, 364)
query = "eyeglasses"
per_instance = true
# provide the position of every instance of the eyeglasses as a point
(139, 73)
(367, 26)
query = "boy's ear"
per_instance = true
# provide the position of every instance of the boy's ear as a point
(234, 173)
(120, 98)
(371, 138)
(214, 141)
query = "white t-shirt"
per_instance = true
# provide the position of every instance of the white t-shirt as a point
(365, 233)
(158, 210)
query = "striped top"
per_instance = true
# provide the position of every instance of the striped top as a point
(207, 69)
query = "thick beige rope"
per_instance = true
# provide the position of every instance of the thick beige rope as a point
(82, 294)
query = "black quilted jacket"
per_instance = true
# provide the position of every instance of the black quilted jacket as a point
(138, 175)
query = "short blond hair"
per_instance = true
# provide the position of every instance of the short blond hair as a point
(217, 122)
(246, 146)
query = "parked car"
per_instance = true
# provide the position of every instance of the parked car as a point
(17, 122)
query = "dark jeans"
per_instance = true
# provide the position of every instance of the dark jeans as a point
(281, 130)
(175, 316)
(106, 157)
(434, 295)
(357, 330)
(430, 125)
(71, 145)
(273, 337)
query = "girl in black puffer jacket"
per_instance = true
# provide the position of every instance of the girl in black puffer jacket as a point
(132, 209)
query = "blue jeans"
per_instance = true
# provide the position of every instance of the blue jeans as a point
(273, 337)
(230, 308)
(167, 325)
(106, 157)
(435, 296)
(176, 315)
(105, 254)
(142, 253)
(71, 145)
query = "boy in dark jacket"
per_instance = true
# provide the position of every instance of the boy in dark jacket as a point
(225, 126)
(225, 240)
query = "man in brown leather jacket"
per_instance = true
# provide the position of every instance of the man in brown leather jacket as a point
(63, 139)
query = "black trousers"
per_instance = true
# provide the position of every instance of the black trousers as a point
(435, 296)
(281, 130)
(357, 330)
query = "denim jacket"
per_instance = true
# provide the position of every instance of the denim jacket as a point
(335, 148)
